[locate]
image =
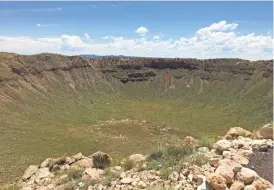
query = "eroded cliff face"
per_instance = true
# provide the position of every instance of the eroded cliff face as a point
(24, 76)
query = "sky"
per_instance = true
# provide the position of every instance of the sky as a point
(150, 29)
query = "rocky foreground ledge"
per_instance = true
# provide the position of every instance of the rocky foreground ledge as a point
(229, 163)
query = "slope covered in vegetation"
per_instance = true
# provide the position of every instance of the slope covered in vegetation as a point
(54, 105)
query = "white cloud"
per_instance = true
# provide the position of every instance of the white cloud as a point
(156, 37)
(142, 31)
(38, 25)
(215, 41)
(87, 36)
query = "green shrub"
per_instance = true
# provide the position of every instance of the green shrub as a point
(179, 152)
(155, 155)
(128, 164)
(206, 141)
(101, 161)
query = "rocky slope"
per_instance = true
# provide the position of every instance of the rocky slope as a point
(22, 76)
(229, 164)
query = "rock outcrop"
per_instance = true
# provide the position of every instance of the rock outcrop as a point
(225, 169)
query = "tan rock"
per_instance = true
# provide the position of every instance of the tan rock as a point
(222, 145)
(46, 162)
(226, 172)
(42, 173)
(136, 158)
(235, 132)
(240, 159)
(93, 173)
(217, 181)
(126, 180)
(32, 169)
(249, 187)
(77, 156)
(267, 131)
(246, 175)
(190, 141)
(261, 184)
(237, 185)
(229, 163)
(83, 163)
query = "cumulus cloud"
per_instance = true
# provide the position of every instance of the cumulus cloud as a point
(142, 31)
(87, 36)
(156, 37)
(218, 40)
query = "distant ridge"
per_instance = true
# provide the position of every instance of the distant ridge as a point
(113, 56)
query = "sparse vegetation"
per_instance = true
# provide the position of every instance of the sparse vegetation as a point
(74, 173)
(168, 157)
(165, 172)
(197, 159)
(128, 164)
(108, 177)
(206, 141)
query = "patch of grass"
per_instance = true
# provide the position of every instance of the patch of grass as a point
(197, 159)
(179, 152)
(116, 161)
(128, 164)
(206, 141)
(108, 177)
(168, 157)
(74, 174)
(165, 172)
(87, 184)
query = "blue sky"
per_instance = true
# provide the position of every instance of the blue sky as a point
(170, 21)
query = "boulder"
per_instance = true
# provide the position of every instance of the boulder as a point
(77, 156)
(190, 141)
(237, 185)
(235, 132)
(136, 158)
(213, 161)
(126, 180)
(240, 159)
(100, 159)
(32, 169)
(229, 163)
(267, 131)
(86, 162)
(142, 185)
(226, 172)
(261, 184)
(249, 187)
(46, 163)
(222, 145)
(217, 181)
(246, 175)
(93, 173)
(263, 148)
(42, 173)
